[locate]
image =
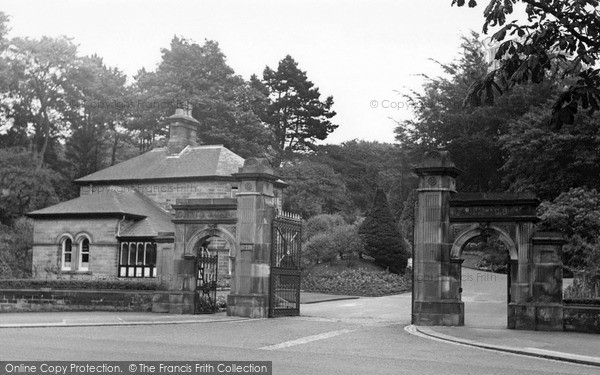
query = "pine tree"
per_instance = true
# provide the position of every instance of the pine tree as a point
(296, 114)
(381, 238)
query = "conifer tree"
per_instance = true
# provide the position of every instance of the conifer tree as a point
(381, 238)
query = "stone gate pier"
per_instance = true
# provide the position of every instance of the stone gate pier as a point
(446, 221)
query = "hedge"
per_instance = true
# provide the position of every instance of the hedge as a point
(77, 284)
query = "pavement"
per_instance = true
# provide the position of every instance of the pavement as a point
(118, 318)
(485, 321)
(484, 295)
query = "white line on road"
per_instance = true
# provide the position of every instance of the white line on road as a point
(307, 339)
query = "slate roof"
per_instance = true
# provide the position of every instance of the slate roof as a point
(199, 161)
(151, 219)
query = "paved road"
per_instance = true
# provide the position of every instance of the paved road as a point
(305, 345)
(364, 336)
(360, 336)
(485, 298)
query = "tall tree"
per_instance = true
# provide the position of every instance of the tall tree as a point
(381, 238)
(363, 164)
(472, 135)
(558, 34)
(576, 213)
(101, 104)
(314, 189)
(198, 76)
(296, 114)
(549, 161)
(24, 186)
(38, 87)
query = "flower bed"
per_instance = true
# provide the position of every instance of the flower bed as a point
(357, 282)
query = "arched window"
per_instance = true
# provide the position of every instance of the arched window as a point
(84, 254)
(67, 255)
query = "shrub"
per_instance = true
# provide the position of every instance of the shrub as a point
(319, 248)
(321, 224)
(575, 213)
(381, 238)
(586, 286)
(15, 249)
(327, 238)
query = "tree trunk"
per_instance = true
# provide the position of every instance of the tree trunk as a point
(46, 132)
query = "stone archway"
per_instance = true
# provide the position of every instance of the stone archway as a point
(245, 222)
(470, 233)
(445, 221)
(477, 230)
(226, 265)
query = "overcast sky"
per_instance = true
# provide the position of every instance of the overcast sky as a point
(361, 52)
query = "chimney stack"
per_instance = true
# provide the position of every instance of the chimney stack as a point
(182, 130)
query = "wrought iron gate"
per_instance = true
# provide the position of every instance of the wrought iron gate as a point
(284, 295)
(206, 284)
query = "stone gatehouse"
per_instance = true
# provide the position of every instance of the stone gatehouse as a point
(143, 219)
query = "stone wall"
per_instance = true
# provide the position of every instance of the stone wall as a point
(24, 300)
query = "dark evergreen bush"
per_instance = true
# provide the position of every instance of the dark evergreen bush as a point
(381, 238)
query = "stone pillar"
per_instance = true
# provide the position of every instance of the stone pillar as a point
(547, 280)
(436, 299)
(249, 295)
(173, 297)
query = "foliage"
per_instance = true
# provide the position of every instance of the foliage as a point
(557, 160)
(576, 213)
(493, 262)
(37, 89)
(473, 136)
(314, 189)
(584, 290)
(319, 248)
(357, 282)
(98, 124)
(381, 238)
(364, 164)
(24, 186)
(328, 238)
(338, 241)
(558, 34)
(321, 224)
(295, 114)
(406, 222)
(195, 75)
(15, 249)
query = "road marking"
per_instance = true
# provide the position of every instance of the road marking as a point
(306, 340)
